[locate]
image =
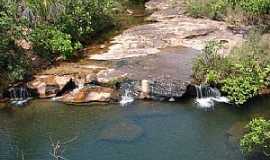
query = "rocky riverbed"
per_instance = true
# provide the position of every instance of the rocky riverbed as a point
(159, 53)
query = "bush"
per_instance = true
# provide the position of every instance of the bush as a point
(255, 7)
(13, 64)
(253, 10)
(83, 19)
(55, 28)
(215, 9)
(50, 42)
(246, 82)
(210, 65)
(241, 75)
(257, 139)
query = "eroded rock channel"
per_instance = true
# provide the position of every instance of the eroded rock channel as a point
(157, 57)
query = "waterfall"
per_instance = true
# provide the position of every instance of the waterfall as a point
(128, 92)
(207, 96)
(127, 98)
(19, 95)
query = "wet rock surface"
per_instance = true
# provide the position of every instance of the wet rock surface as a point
(172, 29)
(51, 85)
(161, 53)
(121, 132)
(172, 63)
(90, 94)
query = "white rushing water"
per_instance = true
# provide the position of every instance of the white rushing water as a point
(209, 102)
(19, 95)
(207, 96)
(127, 98)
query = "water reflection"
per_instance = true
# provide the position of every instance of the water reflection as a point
(157, 130)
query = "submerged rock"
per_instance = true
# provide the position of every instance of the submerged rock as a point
(90, 94)
(123, 131)
(236, 131)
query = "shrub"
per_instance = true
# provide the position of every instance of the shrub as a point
(246, 83)
(50, 42)
(214, 9)
(83, 19)
(255, 6)
(253, 10)
(210, 64)
(13, 64)
(257, 139)
(241, 75)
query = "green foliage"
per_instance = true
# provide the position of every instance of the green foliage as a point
(214, 9)
(48, 41)
(246, 83)
(12, 60)
(54, 28)
(83, 19)
(240, 75)
(218, 9)
(255, 6)
(210, 65)
(257, 139)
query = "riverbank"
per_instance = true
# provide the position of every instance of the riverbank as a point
(138, 52)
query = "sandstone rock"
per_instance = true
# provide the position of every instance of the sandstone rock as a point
(90, 94)
(47, 85)
(161, 4)
(168, 88)
(264, 91)
(110, 76)
(157, 90)
(52, 85)
(172, 29)
(123, 131)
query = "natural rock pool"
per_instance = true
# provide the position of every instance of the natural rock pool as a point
(143, 130)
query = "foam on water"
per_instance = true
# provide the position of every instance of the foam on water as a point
(209, 102)
(205, 102)
(207, 96)
(127, 98)
(20, 102)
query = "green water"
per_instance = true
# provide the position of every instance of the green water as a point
(174, 131)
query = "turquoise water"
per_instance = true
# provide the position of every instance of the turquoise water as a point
(140, 131)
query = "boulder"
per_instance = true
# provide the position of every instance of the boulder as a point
(165, 89)
(48, 86)
(90, 94)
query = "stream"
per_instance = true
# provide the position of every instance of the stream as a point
(139, 131)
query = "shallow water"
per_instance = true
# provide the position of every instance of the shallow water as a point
(140, 131)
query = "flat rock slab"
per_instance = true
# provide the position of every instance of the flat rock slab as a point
(179, 31)
(172, 29)
(170, 63)
(123, 131)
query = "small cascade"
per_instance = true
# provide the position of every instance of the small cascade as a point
(207, 96)
(127, 98)
(128, 93)
(19, 95)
